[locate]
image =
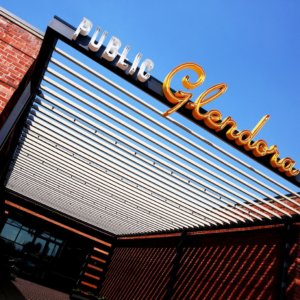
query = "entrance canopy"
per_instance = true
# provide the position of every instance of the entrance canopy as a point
(98, 149)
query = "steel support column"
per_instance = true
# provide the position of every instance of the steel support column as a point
(175, 267)
(285, 259)
(2, 211)
(13, 117)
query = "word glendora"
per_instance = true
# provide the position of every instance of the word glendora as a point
(213, 118)
(111, 51)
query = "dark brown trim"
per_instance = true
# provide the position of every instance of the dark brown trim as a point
(57, 216)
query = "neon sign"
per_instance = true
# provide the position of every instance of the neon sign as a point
(112, 51)
(213, 118)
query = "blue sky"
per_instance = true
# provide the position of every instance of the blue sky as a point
(253, 46)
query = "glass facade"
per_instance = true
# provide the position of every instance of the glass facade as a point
(34, 250)
(42, 252)
(29, 241)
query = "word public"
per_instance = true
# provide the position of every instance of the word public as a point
(112, 50)
(213, 118)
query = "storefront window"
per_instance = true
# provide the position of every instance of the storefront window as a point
(38, 253)
(29, 241)
(39, 245)
(13, 222)
(55, 250)
(46, 235)
(24, 237)
(10, 232)
(50, 249)
(18, 248)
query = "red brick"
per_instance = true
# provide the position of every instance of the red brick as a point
(229, 264)
(19, 38)
(18, 48)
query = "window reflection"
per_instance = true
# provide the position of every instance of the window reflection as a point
(18, 248)
(13, 222)
(39, 245)
(10, 232)
(24, 237)
(29, 241)
(55, 250)
(36, 252)
(46, 235)
(50, 248)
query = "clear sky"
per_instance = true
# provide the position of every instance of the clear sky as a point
(253, 46)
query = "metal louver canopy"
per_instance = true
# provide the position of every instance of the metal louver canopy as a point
(93, 149)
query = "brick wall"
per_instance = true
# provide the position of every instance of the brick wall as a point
(140, 270)
(240, 264)
(224, 264)
(18, 50)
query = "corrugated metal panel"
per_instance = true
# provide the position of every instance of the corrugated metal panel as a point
(95, 151)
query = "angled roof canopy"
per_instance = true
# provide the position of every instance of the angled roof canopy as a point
(97, 149)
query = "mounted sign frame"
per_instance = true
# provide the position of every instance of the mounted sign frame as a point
(60, 30)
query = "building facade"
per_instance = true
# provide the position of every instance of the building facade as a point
(254, 260)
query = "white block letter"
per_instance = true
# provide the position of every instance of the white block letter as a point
(93, 45)
(135, 64)
(147, 64)
(84, 28)
(112, 48)
(121, 62)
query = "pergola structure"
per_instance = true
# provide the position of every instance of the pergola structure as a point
(89, 141)
(92, 149)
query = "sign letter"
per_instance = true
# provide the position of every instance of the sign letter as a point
(84, 28)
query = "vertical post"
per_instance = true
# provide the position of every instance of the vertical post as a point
(285, 259)
(13, 118)
(175, 268)
(2, 211)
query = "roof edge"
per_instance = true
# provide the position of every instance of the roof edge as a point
(23, 24)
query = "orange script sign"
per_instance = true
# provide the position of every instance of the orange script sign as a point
(213, 118)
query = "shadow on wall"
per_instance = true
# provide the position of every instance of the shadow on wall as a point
(137, 272)
(236, 265)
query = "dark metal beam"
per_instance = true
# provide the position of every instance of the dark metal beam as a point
(14, 116)
(263, 222)
(3, 216)
(11, 130)
(56, 215)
